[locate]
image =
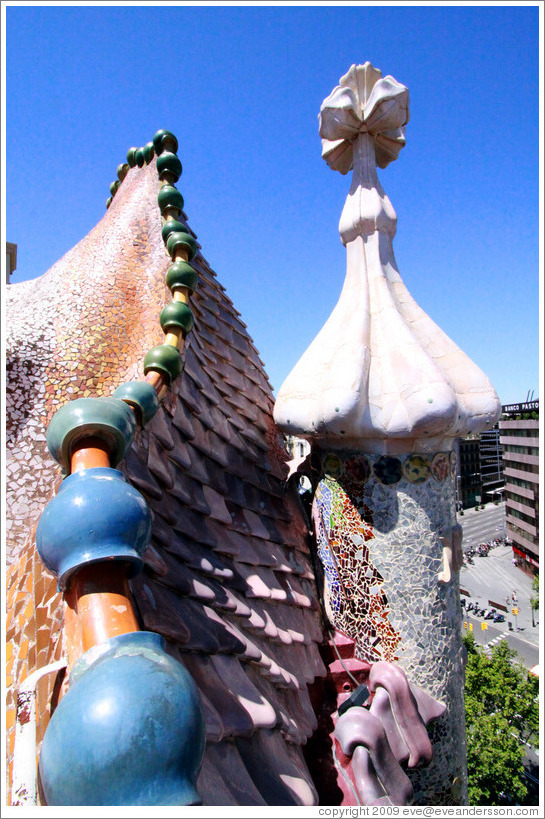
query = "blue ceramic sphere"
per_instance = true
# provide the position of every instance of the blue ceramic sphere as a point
(96, 515)
(129, 731)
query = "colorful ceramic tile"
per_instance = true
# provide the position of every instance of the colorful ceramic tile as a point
(416, 468)
(440, 466)
(354, 598)
(331, 464)
(356, 469)
(388, 470)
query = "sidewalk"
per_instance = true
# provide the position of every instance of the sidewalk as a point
(475, 511)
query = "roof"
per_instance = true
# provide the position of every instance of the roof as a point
(227, 578)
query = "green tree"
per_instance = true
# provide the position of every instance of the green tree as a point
(502, 713)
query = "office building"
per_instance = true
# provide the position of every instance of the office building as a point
(519, 437)
(469, 472)
(490, 451)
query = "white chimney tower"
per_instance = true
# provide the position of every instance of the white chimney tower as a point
(382, 394)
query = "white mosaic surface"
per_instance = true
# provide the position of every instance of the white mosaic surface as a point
(408, 520)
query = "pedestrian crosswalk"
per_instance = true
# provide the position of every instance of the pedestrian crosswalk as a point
(490, 645)
(481, 526)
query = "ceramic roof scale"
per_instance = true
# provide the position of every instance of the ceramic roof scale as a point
(382, 394)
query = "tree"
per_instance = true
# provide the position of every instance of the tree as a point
(502, 713)
(534, 601)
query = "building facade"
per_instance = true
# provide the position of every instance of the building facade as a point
(11, 260)
(297, 447)
(490, 451)
(519, 437)
(469, 472)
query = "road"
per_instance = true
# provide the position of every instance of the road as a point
(483, 525)
(528, 651)
(496, 578)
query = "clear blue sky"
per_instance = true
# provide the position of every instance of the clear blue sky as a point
(241, 87)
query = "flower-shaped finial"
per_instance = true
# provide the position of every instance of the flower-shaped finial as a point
(363, 102)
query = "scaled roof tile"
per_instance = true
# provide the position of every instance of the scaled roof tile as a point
(190, 492)
(232, 542)
(158, 464)
(139, 474)
(159, 427)
(291, 787)
(237, 781)
(182, 418)
(261, 712)
(235, 718)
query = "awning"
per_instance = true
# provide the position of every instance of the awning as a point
(526, 556)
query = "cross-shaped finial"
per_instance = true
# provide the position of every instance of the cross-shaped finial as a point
(363, 102)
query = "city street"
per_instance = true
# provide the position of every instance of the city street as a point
(483, 525)
(496, 578)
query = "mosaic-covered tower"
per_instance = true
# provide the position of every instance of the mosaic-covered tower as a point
(382, 393)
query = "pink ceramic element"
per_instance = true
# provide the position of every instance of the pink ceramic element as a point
(381, 708)
(357, 727)
(405, 710)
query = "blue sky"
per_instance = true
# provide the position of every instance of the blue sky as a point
(241, 87)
